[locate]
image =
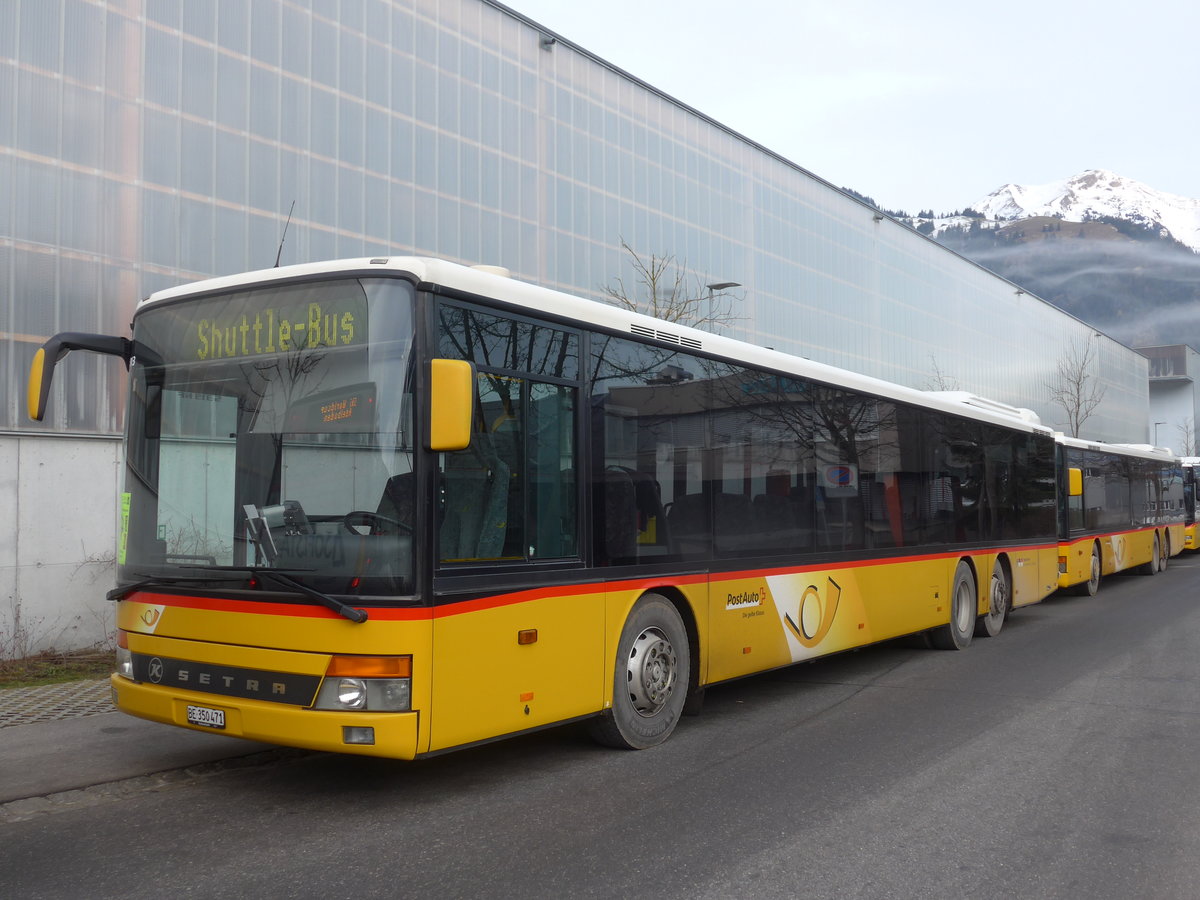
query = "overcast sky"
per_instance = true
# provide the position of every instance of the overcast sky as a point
(928, 103)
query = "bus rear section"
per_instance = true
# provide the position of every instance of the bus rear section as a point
(1122, 509)
(1189, 502)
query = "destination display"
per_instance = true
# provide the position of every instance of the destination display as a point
(350, 408)
(274, 330)
(259, 323)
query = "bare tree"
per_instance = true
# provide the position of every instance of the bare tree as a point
(1074, 387)
(1187, 437)
(939, 380)
(665, 289)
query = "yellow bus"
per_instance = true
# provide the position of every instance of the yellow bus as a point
(1189, 502)
(400, 506)
(1123, 509)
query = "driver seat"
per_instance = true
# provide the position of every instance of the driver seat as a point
(399, 500)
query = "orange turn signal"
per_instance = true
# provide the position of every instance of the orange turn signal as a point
(370, 667)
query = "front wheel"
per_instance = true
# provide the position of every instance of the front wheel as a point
(650, 682)
(999, 603)
(963, 607)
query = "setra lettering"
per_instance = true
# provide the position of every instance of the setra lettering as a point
(251, 685)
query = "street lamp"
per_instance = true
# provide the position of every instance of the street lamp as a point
(721, 286)
(1156, 424)
(713, 289)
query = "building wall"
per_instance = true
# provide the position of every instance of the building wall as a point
(57, 556)
(144, 143)
(1174, 405)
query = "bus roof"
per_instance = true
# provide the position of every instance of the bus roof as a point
(487, 282)
(1144, 451)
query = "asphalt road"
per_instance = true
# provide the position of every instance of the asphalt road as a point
(1056, 760)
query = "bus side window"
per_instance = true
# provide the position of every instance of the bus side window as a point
(511, 494)
(553, 532)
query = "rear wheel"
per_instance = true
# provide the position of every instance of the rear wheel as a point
(650, 681)
(956, 635)
(999, 603)
(1151, 568)
(1088, 588)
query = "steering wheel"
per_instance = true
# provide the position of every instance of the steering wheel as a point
(376, 522)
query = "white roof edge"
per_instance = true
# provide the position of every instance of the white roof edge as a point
(969, 399)
(482, 282)
(1146, 451)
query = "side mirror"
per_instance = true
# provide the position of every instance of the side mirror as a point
(451, 404)
(1075, 482)
(41, 370)
(37, 393)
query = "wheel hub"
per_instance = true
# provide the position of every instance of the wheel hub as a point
(999, 604)
(652, 671)
(964, 607)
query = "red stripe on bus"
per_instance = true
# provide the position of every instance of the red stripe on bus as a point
(496, 601)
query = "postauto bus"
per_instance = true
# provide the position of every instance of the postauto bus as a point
(399, 506)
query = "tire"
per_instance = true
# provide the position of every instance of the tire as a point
(650, 679)
(1151, 568)
(956, 635)
(999, 603)
(1092, 585)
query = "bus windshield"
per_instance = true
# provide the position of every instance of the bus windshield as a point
(273, 429)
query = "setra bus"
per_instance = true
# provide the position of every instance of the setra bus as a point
(400, 506)
(1122, 508)
(1189, 464)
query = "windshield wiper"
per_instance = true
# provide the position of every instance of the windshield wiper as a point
(345, 610)
(357, 616)
(166, 581)
(283, 577)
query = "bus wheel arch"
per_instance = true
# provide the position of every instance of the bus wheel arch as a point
(695, 690)
(999, 599)
(651, 678)
(964, 609)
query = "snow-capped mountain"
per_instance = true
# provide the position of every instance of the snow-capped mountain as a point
(1138, 289)
(1095, 193)
(1130, 266)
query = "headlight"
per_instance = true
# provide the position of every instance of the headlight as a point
(365, 694)
(124, 658)
(367, 683)
(125, 663)
(351, 693)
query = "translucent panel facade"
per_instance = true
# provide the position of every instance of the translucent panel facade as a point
(148, 142)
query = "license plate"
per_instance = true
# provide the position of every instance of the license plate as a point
(205, 717)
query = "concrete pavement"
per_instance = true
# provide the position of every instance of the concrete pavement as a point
(67, 737)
